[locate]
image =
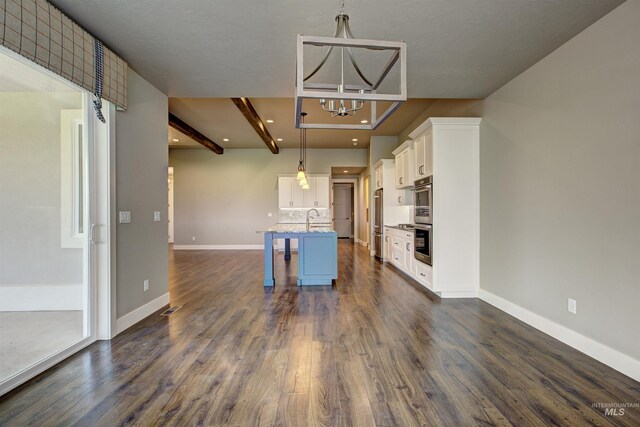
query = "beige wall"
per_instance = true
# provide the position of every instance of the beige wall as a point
(224, 200)
(141, 187)
(560, 184)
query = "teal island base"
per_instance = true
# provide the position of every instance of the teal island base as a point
(317, 256)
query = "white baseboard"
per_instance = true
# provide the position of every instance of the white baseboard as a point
(42, 297)
(130, 319)
(607, 355)
(457, 294)
(215, 247)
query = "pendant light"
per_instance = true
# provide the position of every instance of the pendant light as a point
(302, 161)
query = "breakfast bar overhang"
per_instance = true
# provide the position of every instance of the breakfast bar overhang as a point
(317, 253)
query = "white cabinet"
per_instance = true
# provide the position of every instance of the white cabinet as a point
(404, 165)
(378, 177)
(317, 196)
(451, 155)
(290, 193)
(399, 248)
(423, 150)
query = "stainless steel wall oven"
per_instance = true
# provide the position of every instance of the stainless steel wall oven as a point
(424, 201)
(423, 243)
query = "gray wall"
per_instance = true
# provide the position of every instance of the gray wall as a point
(30, 190)
(141, 187)
(560, 184)
(224, 200)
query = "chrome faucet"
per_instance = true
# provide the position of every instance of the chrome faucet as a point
(308, 213)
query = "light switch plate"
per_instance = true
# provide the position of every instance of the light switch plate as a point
(269, 214)
(571, 306)
(125, 217)
(156, 216)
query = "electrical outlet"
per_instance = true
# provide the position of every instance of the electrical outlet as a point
(125, 217)
(269, 214)
(193, 238)
(146, 285)
(571, 305)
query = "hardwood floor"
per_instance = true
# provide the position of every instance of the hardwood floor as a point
(374, 349)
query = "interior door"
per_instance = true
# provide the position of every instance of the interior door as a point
(342, 211)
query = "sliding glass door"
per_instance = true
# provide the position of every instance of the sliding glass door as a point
(45, 220)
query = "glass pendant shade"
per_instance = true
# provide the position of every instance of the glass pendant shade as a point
(301, 175)
(305, 186)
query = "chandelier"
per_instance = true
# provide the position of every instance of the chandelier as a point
(340, 99)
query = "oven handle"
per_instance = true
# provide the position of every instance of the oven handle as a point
(423, 226)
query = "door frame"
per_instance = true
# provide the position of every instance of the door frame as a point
(356, 204)
(99, 300)
(171, 211)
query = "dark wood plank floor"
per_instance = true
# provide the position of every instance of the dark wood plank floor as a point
(372, 350)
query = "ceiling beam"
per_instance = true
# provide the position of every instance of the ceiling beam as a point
(245, 107)
(184, 128)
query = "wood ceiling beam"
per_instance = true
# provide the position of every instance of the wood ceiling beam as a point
(192, 133)
(245, 107)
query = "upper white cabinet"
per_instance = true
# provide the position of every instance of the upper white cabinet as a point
(404, 165)
(317, 196)
(423, 150)
(291, 194)
(378, 177)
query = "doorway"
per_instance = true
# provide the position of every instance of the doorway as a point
(343, 212)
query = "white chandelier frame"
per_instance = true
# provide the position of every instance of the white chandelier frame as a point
(364, 92)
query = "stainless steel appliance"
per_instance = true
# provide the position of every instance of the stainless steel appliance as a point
(423, 243)
(377, 223)
(424, 200)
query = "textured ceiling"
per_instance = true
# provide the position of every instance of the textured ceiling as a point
(229, 48)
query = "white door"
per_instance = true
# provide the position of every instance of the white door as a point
(342, 210)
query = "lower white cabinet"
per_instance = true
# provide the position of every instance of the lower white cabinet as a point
(398, 250)
(424, 274)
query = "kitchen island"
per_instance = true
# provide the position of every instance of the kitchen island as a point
(317, 253)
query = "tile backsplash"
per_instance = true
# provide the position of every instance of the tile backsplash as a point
(299, 215)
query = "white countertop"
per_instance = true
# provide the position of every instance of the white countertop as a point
(300, 228)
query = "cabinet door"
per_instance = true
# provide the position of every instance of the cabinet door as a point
(399, 169)
(378, 176)
(322, 192)
(284, 192)
(407, 166)
(387, 246)
(428, 153)
(309, 196)
(419, 156)
(297, 194)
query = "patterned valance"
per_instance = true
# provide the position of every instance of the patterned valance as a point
(38, 31)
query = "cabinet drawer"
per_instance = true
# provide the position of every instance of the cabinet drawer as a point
(398, 257)
(424, 274)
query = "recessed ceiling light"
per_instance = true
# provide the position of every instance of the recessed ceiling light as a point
(269, 121)
(364, 121)
(175, 139)
(345, 171)
(225, 139)
(279, 139)
(355, 143)
(355, 139)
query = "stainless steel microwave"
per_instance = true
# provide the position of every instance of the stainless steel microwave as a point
(424, 200)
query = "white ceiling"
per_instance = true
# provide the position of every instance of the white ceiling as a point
(230, 48)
